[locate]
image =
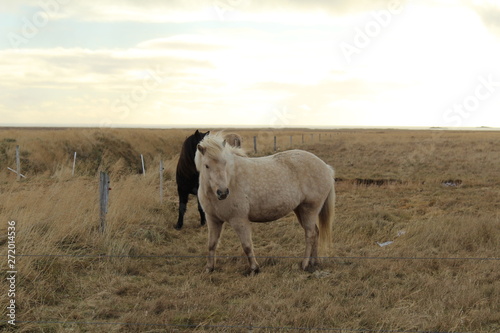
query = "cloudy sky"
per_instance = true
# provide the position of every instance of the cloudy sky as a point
(278, 63)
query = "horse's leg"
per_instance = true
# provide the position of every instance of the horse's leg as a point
(202, 213)
(314, 254)
(244, 231)
(307, 218)
(183, 199)
(214, 231)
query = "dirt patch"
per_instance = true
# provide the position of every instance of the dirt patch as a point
(371, 181)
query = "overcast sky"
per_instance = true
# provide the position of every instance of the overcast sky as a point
(277, 63)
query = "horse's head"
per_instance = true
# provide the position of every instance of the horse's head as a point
(195, 138)
(200, 135)
(213, 160)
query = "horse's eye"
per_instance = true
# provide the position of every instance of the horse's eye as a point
(206, 166)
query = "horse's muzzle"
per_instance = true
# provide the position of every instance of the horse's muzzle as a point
(221, 195)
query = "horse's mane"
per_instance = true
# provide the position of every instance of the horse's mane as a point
(186, 165)
(215, 145)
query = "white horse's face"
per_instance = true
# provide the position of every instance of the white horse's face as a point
(213, 171)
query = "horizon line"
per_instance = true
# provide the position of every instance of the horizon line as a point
(219, 126)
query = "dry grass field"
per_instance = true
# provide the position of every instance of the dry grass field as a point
(435, 194)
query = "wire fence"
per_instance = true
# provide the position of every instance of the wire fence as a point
(232, 327)
(172, 256)
(236, 327)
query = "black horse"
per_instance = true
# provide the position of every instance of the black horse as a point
(187, 176)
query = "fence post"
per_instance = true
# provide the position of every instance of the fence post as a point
(161, 182)
(255, 144)
(143, 170)
(291, 142)
(302, 138)
(275, 143)
(74, 162)
(18, 164)
(103, 199)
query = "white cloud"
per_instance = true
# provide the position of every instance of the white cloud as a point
(236, 73)
(489, 11)
(282, 11)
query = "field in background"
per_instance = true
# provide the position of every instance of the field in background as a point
(435, 194)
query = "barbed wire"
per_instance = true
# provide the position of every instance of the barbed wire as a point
(242, 326)
(181, 256)
(213, 326)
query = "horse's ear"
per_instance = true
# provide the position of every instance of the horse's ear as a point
(197, 133)
(201, 149)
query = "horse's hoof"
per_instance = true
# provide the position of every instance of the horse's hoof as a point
(252, 272)
(309, 268)
(209, 269)
(178, 227)
(202, 223)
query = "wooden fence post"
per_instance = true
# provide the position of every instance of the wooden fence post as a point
(103, 199)
(275, 143)
(18, 164)
(291, 141)
(74, 162)
(161, 182)
(255, 144)
(302, 138)
(143, 169)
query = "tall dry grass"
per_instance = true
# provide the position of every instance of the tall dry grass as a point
(144, 276)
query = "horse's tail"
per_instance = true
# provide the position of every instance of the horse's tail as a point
(326, 216)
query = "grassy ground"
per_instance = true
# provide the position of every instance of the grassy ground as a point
(144, 276)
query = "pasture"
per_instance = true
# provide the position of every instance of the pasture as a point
(434, 194)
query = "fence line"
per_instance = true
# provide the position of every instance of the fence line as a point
(237, 326)
(167, 256)
(213, 326)
(276, 142)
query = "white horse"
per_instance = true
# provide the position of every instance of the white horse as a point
(237, 189)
